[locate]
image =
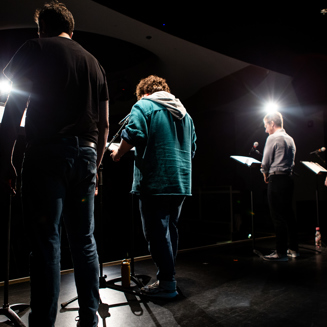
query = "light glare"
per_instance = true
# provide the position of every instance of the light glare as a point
(271, 107)
(5, 87)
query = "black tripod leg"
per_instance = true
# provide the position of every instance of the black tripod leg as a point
(64, 304)
(12, 316)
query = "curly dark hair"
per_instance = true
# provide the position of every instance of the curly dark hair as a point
(150, 85)
(54, 18)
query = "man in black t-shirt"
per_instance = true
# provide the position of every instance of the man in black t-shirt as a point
(65, 91)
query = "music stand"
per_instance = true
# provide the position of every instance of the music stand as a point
(251, 163)
(318, 170)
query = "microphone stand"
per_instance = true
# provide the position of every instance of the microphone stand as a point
(251, 203)
(255, 150)
(123, 123)
(320, 158)
(111, 284)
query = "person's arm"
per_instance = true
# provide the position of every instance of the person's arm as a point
(122, 149)
(267, 158)
(134, 133)
(9, 130)
(103, 127)
(194, 138)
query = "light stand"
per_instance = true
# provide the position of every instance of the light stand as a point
(10, 310)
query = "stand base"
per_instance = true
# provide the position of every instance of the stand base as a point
(10, 313)
(137, 280)
(103, 283)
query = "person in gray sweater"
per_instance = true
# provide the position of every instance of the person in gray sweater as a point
(277, 169)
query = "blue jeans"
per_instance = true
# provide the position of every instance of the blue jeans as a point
(160, 214)
(58, 184)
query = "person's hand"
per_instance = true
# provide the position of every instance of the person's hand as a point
(114, 155)
(265, 178)
(326, 181)
(96, 186)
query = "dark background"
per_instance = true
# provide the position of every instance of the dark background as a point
(284, 45)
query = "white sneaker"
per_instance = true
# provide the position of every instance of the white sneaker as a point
(275, 256)
(293, 254)
(161, 289)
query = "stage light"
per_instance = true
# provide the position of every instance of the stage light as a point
(5, 87)
(271, 107)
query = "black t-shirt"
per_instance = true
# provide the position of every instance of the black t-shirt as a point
(68, 85)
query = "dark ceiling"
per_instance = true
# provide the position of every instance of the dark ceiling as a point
(271, 34)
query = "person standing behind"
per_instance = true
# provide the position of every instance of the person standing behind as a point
(164, 138)
(277, 168)
(65, 91)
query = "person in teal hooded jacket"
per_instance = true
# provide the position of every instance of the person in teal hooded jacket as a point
(163, 135)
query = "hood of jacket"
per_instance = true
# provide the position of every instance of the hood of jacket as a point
(169, 101)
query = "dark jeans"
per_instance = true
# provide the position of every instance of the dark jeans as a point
(159, 216)
(58, 183)
(280, 195)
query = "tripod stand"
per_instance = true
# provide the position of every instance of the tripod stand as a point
(10, 310)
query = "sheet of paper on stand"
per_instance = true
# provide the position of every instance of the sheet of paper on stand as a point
(247, 160)
(315, 167)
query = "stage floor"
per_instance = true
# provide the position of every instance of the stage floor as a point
(223, 285)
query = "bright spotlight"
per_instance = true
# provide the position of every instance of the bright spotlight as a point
(271, 107)
(5, 87)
